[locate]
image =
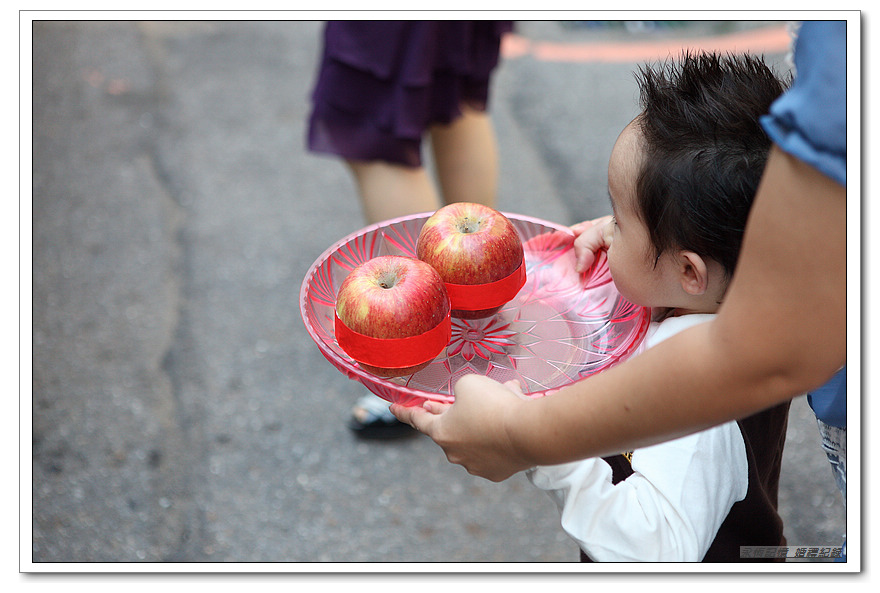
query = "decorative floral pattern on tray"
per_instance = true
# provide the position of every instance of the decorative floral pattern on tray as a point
(561, 327)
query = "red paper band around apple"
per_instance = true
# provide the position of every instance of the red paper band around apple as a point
(474, 297)
(393, 353)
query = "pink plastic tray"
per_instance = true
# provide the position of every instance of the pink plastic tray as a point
(561, 327)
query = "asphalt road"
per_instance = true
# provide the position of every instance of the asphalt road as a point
(181, 412)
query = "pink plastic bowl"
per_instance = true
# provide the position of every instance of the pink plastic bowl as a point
(561, 327)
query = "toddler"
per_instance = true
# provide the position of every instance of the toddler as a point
(681, 179)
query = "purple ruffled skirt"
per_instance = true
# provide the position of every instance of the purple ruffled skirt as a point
(381, 84)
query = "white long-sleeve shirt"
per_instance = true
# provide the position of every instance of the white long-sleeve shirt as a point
(672, 506)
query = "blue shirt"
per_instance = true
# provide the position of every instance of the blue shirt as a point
(809, 120)
(829, 401)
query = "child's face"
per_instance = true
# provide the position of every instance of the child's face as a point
(636, 274)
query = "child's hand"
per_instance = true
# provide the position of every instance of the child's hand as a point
(590, 239)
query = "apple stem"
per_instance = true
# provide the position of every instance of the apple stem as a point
(387, 281)
(469, 226)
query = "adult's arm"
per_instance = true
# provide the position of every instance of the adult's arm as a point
(780, 332)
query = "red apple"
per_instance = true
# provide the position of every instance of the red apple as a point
(473, 245)
(392, 315)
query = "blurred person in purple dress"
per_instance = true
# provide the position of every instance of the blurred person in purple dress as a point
(385, 87)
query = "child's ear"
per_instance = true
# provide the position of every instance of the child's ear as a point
(693, 273)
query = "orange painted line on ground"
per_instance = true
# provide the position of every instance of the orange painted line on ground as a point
(757, 41)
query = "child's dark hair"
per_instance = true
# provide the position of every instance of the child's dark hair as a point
(705, 150)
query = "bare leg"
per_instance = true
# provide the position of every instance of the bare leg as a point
(466, 160)
(389, 190)
(466, 157)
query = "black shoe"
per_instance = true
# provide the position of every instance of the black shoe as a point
(371, 419)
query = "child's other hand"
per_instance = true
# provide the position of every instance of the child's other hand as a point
(590, 239)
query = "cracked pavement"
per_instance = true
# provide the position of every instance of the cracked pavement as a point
(180, 411)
